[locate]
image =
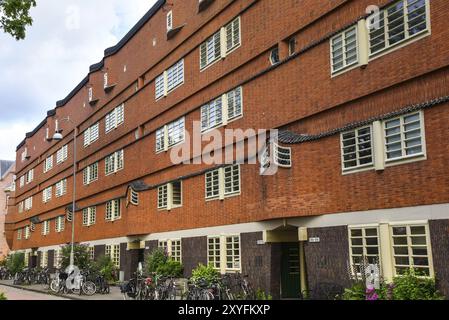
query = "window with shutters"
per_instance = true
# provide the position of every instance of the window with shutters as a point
(46, 227)
(61, 155)
(32, 227)
(60, 224)
(113, 210)
(114, 162)
(134, 197)
(90, 174)
(170, 196)
(91, 134)
(398, 23)
(89, 216)
(222, 110)
(61, 188)
(115, 118)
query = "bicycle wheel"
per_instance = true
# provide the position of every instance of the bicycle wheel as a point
(89, 288)
(54, 286)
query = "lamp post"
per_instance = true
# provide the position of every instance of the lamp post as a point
(58, 137)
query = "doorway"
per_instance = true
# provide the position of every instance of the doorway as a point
(290, 276)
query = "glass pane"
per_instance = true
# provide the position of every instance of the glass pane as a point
(400, 250)
(400, 240)
(419, 230)
(356, 232)
(357, 241)
(399, 231)
(371, 232)
(402, 261)
(419, 240)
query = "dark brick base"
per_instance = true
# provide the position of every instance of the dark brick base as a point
(194, 252)
(439, 237)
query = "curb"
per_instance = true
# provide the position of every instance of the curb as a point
(39, 291)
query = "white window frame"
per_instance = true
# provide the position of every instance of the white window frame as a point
(28, 203)
(19, 234)
(44, 259)
(46, 227)
(48, 163)
(61, 188)
(29, 176)
(165, 196)
(168, 245)
(407, 36)
(163, 83)
(90, 174)
(90, 94)
(405, 157)
(357, 135)
(22, 181)
(47, 194)
(227, 101)
(113, 251)
(105, 80)
(24, 154)
(91, 134)
(89, 216)
(114, 162)
(27, 233)
(61, 155)
(170, 20)
(222, 193)
(364, 245)
(113, 210)
(342, 36)
(222, 259)
(60, 224)
(115, 118)
(163, 142)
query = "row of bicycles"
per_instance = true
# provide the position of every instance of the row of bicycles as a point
(30, 276)
(154, 287)
(84, 282)
(5, 274)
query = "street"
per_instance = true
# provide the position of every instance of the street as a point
(18, 294)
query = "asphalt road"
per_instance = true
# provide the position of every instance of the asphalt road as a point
(18, 294)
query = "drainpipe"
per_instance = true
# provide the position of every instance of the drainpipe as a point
(302, 237)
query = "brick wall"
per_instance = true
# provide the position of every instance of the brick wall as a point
(194, 252)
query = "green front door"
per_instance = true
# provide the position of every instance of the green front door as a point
(290, 281)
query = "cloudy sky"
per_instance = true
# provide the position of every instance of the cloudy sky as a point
(67, 36)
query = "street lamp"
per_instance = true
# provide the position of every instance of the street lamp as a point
(58, 137)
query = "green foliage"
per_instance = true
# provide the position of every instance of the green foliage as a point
(356, 292)
(3, 262)
(170, 268)
(15, 17)
(155, 259)
(2, 296)
(81, 257)
(15, 262)
(106, 267)
(411, 286)
(207, 273)
(261, 295)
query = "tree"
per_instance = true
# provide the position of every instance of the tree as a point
(15, 16)
(15, 262)
(81, 257)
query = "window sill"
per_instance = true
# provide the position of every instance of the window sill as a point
(405, 160)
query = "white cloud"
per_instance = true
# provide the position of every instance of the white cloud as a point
(65, 39)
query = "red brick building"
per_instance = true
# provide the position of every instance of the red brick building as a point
(361, 103)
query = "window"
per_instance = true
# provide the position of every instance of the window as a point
(114, 162)
(170, 79)
(411, 249)
(232, 35)
(60, 224)
(404, 137)
(220, 43)
(29, 176)
(403, 20)
(210, 50)
(214, 252)
(28, 203)
(113, 251)
(32, 227)
(22, 181)
(357, 149)
(91, 134)
(113, 210)
(27, 259)
(44, 259)
(344, 49)
(46, 194)
(291, 46)
(364, 247)
(61, 188)
(27, 232)
(48, 164)
(24, 155)
(21, 204)
(170, 135)
(115, 118)
(169, 20)
(89, 216)
(61, 155)
(134, 197)
(92, 253)
(46, 228)
(91, 94)
(90, 173)
(274, 153)
(274, 56)
(222, 110)
(169, 196)
(19, 234)
(176, 250)
(223, 182)
(223, 253)
(105, 80)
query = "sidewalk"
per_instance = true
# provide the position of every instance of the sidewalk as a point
(114, 295)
